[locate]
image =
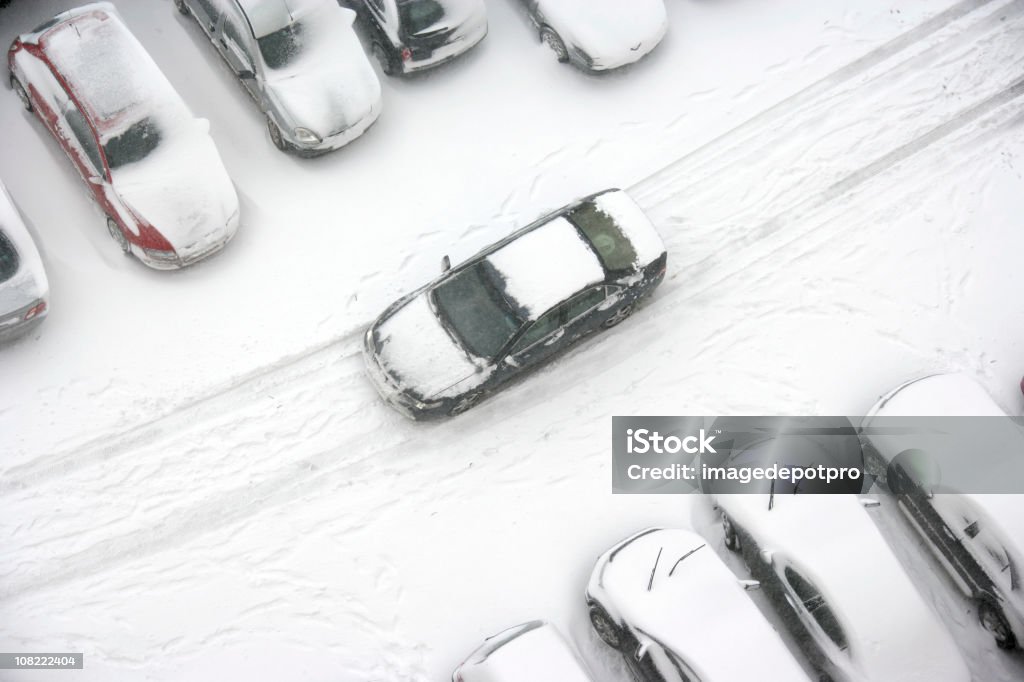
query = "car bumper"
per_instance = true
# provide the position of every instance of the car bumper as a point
(624, 57)
(191, 254)
(340, 138)
(392, 395)
(446, 53)
(14, 324)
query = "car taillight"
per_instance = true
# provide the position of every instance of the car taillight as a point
(37, 309)
(406, 54)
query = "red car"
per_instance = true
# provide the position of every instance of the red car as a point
(150, 165)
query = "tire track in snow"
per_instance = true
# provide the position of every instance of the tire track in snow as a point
(662, 184)
(321, 469)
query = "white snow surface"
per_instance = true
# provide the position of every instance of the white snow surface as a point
(546, 266)
(634, 224)
(693, 600)
(198, 482)
(831, 541)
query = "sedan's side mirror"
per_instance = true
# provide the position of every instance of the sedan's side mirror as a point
(446, 264)
(510, 361)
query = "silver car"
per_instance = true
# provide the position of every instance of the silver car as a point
(303, 64)
(24, 292)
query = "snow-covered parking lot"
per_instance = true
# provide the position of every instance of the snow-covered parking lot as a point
(198, 483)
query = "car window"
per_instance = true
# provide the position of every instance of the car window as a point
(476, 311)
(134, 144)
(418, 15)
(584, 302)
(8, 258)
(543, 327)
(235, 31)
(816, 606)
(612, 246)
(82, 132)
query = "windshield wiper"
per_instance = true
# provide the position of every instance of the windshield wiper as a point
(651, 581)
(680, 560)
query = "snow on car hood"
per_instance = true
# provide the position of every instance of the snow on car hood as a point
(691, 601)
(181, 188)
(332, 85)
(634, 223)
(546, 266)
(613, 32)
(417, 351)
(533, 651)
(29, 283)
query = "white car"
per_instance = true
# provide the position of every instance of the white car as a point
(939, 482)
(678, 614)
(150, 165)
(840, 588)
(531, 652)
(302, 63)
(599, 35)
(24, 291)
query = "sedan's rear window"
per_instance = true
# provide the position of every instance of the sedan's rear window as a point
(8, 258)
(613, 248)
(419, 15)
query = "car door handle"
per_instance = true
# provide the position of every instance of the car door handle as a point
(555, 337)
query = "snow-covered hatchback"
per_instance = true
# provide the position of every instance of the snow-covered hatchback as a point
(149, 164)
(531, 652)
(599, 35)
(515, 305)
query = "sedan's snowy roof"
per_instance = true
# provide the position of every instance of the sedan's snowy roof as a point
(831, 541)
(547, 265)
(107, 67)
(670, 584)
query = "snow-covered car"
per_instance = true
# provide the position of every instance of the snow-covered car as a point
(302, 63)
(675, 611)
(839, 588)
(413, 35)
(149, 164)
(599, 35)
(531, 652)
(514, 306)
(24, 291)
(977, 537)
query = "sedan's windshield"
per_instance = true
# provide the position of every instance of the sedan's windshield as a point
(613, 248)
(281, 47)
(419, 15)
(134, 144)
(473, 306)
(8, 258)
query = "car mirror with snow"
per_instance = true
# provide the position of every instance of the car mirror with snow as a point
(511, 361)
(446, 264)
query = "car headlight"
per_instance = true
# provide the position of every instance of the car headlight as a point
(161, 255)
(307, 136)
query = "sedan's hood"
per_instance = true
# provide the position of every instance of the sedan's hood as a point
(181, 189)
(610, 31)
(420, 356)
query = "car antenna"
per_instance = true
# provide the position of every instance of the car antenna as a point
(651, 581)
(771, 496)
(288, 8)
(680, 560)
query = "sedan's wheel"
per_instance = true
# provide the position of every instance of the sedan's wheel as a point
(180, 4)
(604, 627)
(275, 135)
(555, 42)
(618, 316)
(732, 538)
(465, 404)
(118, 236)
(995, 623)
(385, 61)
(22, 95)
